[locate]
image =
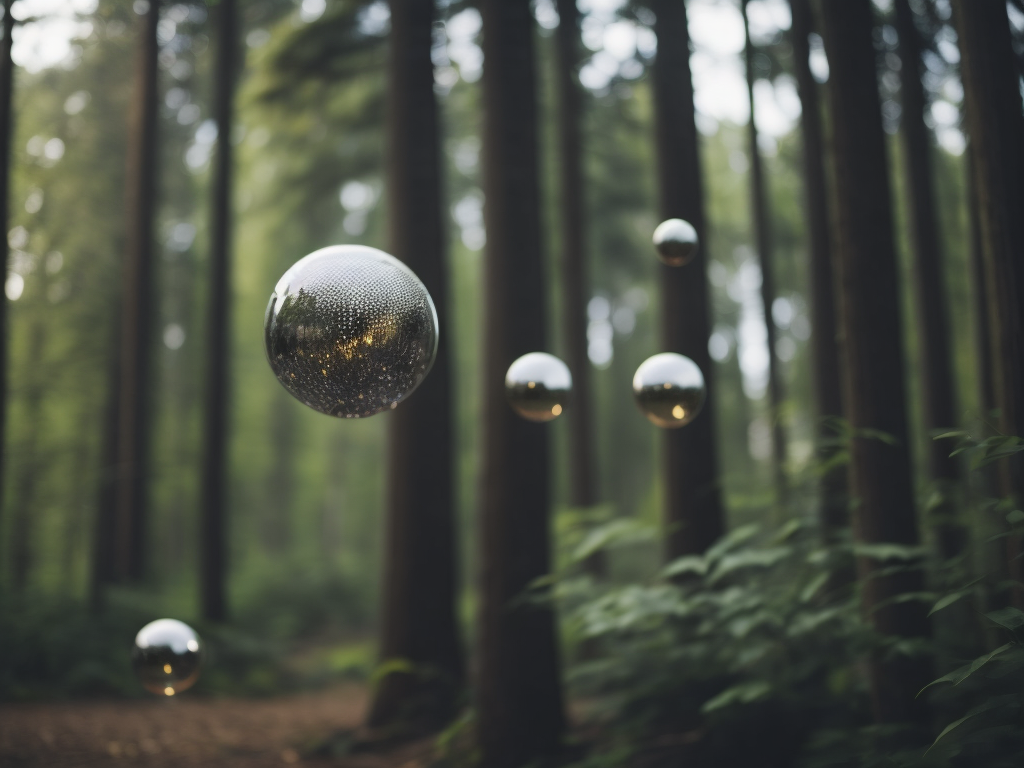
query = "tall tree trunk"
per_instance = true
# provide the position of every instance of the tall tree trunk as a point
(825, 333)
(22, 525)
(104, 535)
(131, 450)
(693, 514)
(880, 476)
(762, 230)
(419, 622)
(6, 131)
(582, 491)
(519, 694)
(933, 325)
(213, 541)
(996, 127)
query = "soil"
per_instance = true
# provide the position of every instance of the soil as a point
(193, 732)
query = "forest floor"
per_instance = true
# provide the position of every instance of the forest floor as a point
(194, 732)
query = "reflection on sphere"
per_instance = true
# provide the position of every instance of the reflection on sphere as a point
(538, 386)
(166, 656)
(350, 331)
(676, 242)
(669, 389)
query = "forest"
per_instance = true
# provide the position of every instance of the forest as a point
(772, 252)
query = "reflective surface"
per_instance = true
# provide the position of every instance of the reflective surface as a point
(166, 656)
(350, 331)
(538, 386)
(676, 242)
(669, 389)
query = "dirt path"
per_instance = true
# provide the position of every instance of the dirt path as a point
(190, 732)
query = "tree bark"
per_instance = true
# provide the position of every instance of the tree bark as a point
(419, 617)
(24, 515)
(693, 514)
(213, 543)
(996, 127)
(132, 445)
(519, 695)
(880, 473)
(6, 131)
(582, 490)
(937, 384)
(762, 231)
(825, 332)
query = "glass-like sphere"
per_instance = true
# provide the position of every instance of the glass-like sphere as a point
(676, 242)
(538, 386)
(350, 331)
(669, 389)
(166, 656)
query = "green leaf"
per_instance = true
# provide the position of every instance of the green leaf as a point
(749, 558)
(959, 675)
(732, 540)
(744, 693)
(620, 531)
(947, 600)
(883, 551)
(813, 586)
(976, 711)
(686, 564)
(954, 433)
(1008, 618)
(1015, 516)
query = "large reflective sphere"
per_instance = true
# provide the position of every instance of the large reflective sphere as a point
(166, 656)
(669, 389)
(676, 242)
(350, 331)
(538, 386)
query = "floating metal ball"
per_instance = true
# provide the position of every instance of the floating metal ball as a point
(538, 386)
(350, 331)
(166, 656)
(676, 242)
(669, 389)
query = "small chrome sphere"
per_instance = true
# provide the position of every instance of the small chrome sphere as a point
(350, 331)
(669, 389)
(676, 242)
(167, 656)
(538, 386)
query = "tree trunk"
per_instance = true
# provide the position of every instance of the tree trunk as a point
(131, 450)
(582, 492)
(519, 695)
(693, 514)
(6, 131)
(762, 230)
(825, 333)
(24, 514)
(880, 474)
(213, 541)
(419, 622)
(933, 326)
(996, 127)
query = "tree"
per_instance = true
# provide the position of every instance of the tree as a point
(131, 447)
(574, 257)
(762, 231)
(6, 130)
(519, 696)
(213, 541)
(880, 474)
(995, 123)
(933, 325)
(693, 508)
(419, 623)
(824, 340)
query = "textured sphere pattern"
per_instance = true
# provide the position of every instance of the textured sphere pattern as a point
(167, 656)
(350, 331)
(676, 242)
(538, 386)
(669, 389)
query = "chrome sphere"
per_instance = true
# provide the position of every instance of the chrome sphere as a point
(538, 386)
(166, 656)
(350, 331)
(676, 242)
(669, 389)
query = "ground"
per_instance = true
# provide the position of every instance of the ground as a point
(192, 732)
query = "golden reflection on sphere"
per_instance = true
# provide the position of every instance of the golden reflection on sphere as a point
(166, 656)
(538, 386)
(350, 331)
(676, 242)
(669, 389)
